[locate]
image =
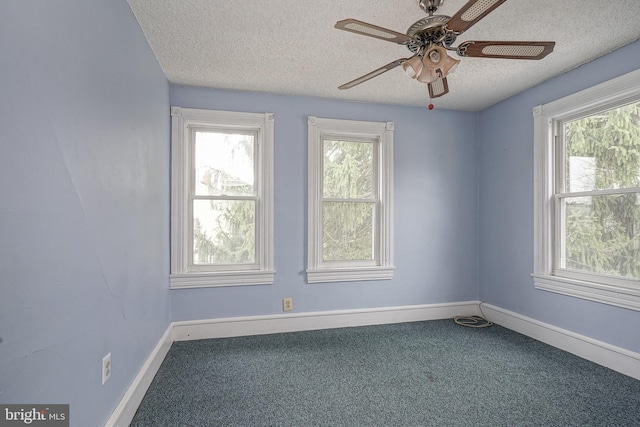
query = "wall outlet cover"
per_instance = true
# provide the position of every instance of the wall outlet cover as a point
(106, 368)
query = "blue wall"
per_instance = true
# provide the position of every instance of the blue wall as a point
(506, 209)
(84, 203)
(436, 211)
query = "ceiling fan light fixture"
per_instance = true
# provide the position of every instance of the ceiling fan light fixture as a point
(413, 66)
(434, 58)
(428, 75)
(449, 66)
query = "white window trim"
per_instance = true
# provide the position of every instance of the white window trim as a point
(317, 271)
(619, 292)
(182, 120)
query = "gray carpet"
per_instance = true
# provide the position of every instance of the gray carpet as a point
(431, 373)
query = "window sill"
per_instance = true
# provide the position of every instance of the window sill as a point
(226, 278)
(353, 274)
(618, 296)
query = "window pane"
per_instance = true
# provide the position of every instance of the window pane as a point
(224, 164)
(347, 231)
(603, 150)
(602, 234)
(348, 169)
(223, 232)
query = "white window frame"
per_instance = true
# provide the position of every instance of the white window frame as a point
(348, 271)
(183, 273)
(616, 291)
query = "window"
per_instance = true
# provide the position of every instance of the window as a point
(587, 194)
(350, 200)
(222, 198)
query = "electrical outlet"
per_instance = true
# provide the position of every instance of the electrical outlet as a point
(287, 304)
(106, 368)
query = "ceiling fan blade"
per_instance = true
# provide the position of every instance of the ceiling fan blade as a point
(471, 13)
(507, 50)
(438, 88)
(374, 73)
(366, 29)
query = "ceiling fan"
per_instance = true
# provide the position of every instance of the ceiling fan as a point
(430, 38)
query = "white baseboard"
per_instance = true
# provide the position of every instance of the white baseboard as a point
(616, 358)
(619, 359)
(259, 325)
(126, 409)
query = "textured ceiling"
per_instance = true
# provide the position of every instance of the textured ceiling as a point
(290, 47)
